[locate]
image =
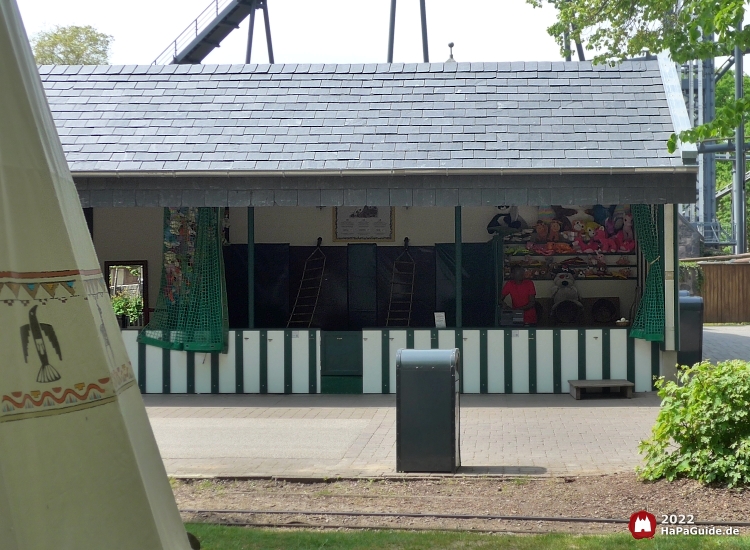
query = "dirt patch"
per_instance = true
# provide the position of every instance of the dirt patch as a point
(610, 496)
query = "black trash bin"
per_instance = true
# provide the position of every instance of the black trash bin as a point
(691, 329)
(427, 410)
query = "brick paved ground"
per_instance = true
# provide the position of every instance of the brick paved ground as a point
(721, 343)
(332, 435)
(338, 435)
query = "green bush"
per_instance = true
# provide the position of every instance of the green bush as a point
(130, 306)
(703, 428)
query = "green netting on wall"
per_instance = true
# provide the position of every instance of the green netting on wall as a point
(191, 308)
(649, 319)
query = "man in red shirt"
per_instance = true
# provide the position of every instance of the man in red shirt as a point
(522, 295)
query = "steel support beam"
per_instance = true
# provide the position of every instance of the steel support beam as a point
(425, 49)
(738, 189)
(250, 267)
(391, 31)
(259, 5)
(459, 269)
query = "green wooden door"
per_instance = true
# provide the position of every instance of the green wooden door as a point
(341, 362)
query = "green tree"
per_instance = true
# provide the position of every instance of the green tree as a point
(72, 45)
(620, 29)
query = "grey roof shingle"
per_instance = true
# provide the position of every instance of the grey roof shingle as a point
(361, 117)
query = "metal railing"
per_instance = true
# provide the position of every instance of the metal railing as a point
(716, 233)
(201, 23)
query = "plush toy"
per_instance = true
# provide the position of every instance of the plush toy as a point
(542, 231)
(627, 227)
(605, 243)
(589, 231)
(565, 295)
(568, 236)
(507, 218)
(554, 231)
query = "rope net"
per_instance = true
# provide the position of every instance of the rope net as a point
(649, 318)
(191, 308)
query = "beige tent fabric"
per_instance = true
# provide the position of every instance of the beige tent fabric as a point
(79, 466)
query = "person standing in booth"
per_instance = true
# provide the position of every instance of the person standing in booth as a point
(522, 295)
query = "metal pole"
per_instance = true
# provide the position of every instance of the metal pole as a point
(250, 36)
(391, 31)
(268, 33)
(459, 269)
(738, 191)
(425, 51)
(250, 267)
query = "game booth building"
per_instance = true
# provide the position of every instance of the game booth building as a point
(290, 227)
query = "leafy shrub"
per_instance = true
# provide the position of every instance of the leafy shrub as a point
(130, 306)
(703, 428)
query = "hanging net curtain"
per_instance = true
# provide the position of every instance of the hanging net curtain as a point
(191, 308)
(649, 318)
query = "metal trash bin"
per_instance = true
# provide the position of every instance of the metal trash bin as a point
(691, 329)
(427, 410)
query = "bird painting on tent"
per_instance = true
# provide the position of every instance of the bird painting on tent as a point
(37, 330)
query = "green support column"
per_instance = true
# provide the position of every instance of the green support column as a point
(459, 270)
(250, 267)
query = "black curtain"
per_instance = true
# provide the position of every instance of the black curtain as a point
(272, 285)
(478, 284)
(235, 274)
(331, 312)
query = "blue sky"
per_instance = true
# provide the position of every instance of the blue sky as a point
(344, 31)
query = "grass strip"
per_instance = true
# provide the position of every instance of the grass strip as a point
(217, 537)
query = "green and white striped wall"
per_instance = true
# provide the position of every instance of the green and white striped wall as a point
(517, 361)
(494, 360)
(258, 361)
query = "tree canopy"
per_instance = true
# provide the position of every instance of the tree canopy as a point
(688, 29)
(72, 45)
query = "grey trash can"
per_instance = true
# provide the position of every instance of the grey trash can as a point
(691, 329)
(427, 410)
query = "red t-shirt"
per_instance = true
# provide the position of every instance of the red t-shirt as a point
(520, 295)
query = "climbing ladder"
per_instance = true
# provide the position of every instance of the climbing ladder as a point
(212, 26)
(309, 289)
(402, 289)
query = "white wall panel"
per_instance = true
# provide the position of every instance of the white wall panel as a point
(642, 365)
(202, 373)
(470, 361)
(618, 352)
(593, 354)
(568, 358)
(446, 339)
(131, 347)
(275, 349)
(372, 361)
(251, 361)
(228, 368)
(422, 339)
(397, 341)
(153, 369)
(545, 382)
(496, 361)
(520, 347)
(300, 361)
(178, 371)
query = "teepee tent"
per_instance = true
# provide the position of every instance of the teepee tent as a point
(79, 466)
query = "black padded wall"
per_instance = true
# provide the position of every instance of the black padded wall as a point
(424, 287)
(332, 309)
(362, 275)
(235, 275)
(272, 285)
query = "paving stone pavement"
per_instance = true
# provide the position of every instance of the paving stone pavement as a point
(724, 342)
(355, 435)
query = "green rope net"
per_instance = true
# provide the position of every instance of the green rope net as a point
(191, 308)
(649, 318)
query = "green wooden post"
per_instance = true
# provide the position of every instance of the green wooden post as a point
(250, 267)
(459, 270)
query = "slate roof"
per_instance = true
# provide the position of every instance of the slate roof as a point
(373, 118)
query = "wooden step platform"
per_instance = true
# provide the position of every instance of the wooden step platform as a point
(625, 386)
